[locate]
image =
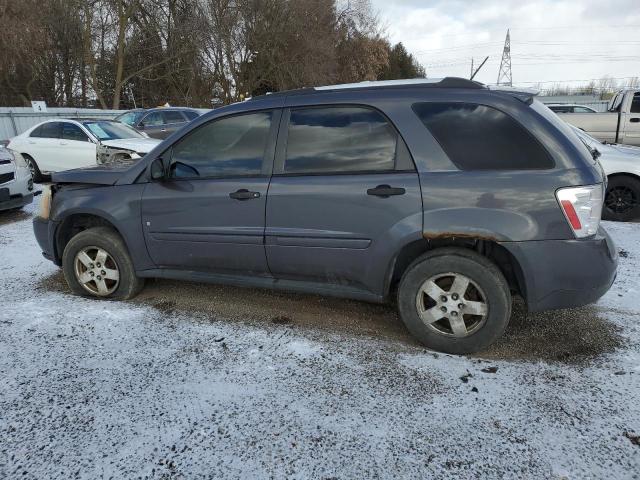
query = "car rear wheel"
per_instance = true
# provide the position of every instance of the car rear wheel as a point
(454, 300)
(622, 199)
(36, 175)
(96, 263)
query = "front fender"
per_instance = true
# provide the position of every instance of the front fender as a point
(118, 205)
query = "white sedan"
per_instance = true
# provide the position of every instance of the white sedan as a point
(621, 164)
(57, 145)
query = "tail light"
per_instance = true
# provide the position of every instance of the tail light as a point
(582, 206)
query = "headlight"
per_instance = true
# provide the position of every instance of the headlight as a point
(45, 202)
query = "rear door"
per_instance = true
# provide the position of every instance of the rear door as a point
(43, 145)
(173, 120)
(344, 191)
(209, 215)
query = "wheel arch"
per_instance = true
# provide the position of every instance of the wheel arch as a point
(76, 222)
(492, 250)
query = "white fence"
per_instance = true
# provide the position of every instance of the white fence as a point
(15, 120)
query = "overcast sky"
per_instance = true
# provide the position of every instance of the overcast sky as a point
(551, 40)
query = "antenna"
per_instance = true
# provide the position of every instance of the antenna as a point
(504, 74)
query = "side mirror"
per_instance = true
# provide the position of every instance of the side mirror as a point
(157, 169)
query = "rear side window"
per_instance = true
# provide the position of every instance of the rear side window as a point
(339, 139)
(154, 119)
(173, 116)
(48, 130)
(477, 137)
(231, 146)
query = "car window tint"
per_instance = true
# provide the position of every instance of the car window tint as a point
(173, 116)
(191, 114)
(339, 139)
(47, 130)
(477, 137)
(154, 119)
(71, 131)
(229, 146)
(635, 104)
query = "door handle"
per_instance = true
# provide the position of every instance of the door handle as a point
(385, 191)
(244, 194)
(634, 120)
(163, 129)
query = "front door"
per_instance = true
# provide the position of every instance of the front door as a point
(77, 150)
(344, 195)
(208, 215)
(631, 122)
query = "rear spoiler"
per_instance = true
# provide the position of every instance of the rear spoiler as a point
(525, 95)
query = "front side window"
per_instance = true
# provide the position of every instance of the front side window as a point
(154, 119)
(635, 104)
(477, 137)
(71, 131)
(129, 118)
(231, 146)
(582, 110)
(48, 130)
(190, 114)
(339, 139)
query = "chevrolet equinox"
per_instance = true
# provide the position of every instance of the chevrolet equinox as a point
(447, 195)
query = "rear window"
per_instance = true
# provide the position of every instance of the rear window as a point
(478, 137)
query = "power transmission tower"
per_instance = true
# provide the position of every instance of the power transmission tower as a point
(504, 74)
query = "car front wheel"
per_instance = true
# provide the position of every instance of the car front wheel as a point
(454, 300)
(96, 263)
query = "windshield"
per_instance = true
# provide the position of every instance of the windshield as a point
(107, 130)
(130, 118)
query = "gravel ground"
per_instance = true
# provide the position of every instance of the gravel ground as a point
(200, 381)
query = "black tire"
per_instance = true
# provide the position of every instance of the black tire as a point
(486, 281)
(622, 199)
(36, 174)
(128, 285)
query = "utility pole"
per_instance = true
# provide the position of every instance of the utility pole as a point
(474, 72)
(504, 74)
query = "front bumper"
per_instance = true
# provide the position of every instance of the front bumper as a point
(19, 190)
(44, 231)
(565, 273)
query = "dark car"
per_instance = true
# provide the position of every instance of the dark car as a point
(158, 122)
(447, 195)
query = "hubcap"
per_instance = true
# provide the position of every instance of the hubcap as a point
(32, 167)
(452, 304)
(621, 199)
(96, 271)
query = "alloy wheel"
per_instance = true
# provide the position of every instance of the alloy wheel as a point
(96, 271)
(621, 199)
(452, 304)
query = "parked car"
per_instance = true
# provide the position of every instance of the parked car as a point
(56, 145)
(570, 108)
(446, 194)
(16, 185)
(621, 164)
(620, 124)
(158, 122)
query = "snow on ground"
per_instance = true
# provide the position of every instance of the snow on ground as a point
(161, 389)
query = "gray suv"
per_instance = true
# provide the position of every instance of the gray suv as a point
(158, 122)
(445, 195)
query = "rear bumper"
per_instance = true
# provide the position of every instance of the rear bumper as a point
(565, 273)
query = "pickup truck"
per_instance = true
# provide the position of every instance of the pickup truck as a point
(619, 124)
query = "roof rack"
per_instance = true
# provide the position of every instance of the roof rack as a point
(447, 82)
